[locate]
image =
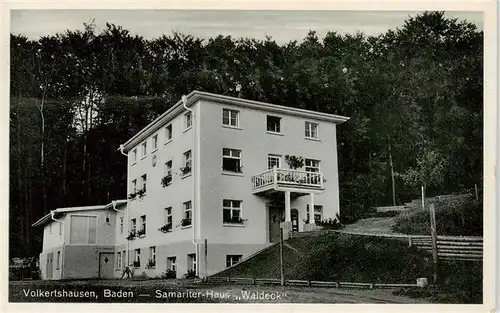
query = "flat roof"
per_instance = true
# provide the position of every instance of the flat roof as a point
(47, 217)
(196, 95)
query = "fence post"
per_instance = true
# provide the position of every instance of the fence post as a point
(206, 258)
(409, 241)
(282, 274)
(434, 243)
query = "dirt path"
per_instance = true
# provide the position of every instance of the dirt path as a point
(376, 225)
(184, 291)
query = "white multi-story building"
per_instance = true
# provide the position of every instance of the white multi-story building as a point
(212, 179)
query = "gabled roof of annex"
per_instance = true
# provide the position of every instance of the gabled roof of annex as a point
(60, 211)
(196, 95)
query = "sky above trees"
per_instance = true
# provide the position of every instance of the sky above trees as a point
(282, 26)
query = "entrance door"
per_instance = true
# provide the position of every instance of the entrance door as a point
(295, 219)
(49, 265)
(276, 215)
(106, 265)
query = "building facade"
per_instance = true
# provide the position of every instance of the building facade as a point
(80, 242)
(212, 180)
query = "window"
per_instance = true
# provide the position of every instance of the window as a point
(312, 165)
(318, 213)
(121, 225)
(134, 186)
(231, 160)
(172, 263)
(137, 258)
(58, 259)
(191, 262)
(232, 260)
(155, 142)
(188, 213)
(168, 218)
(273, 124)
(230, 117)
(231, 211)
(134, 156)
(133, 225)
(168, 168)
(152, 256)
(273, 161)
(124, 260)
(187, 163)
(142, 231)
(108, 218)
(118, 259)
(188, 121)
(144, 179)
(60, 228)
(168, 133)
(144, 148)
(311, 130)
(83, 229)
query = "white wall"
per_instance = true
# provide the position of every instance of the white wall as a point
(254, 141)
(157, 197)
(52, 239)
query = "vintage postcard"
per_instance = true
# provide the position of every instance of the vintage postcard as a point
(266, 154)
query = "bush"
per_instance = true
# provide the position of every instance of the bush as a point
(363, 259)
(460, 217)
(169, 274)
(330, 223)
(191, 274)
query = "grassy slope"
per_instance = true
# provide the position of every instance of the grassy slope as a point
(342, 257)
(336, 257)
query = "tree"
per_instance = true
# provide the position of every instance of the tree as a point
(429, 172)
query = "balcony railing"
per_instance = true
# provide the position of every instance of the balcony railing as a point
(287, 177)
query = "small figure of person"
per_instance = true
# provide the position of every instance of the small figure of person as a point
(128, 272)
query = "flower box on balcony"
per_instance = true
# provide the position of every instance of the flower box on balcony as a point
(186, 222)
(166, 180)
(185, 170)
(166, 228)
(132, 195)
(131, 235)
(141, 192)
(141, 232)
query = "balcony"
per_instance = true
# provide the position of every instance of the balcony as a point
(278, 179)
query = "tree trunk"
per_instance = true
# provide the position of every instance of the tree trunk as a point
(392, 177)
(21, 206)
(65, 155)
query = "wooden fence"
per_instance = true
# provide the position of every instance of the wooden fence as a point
(450, 248)
(308, 283)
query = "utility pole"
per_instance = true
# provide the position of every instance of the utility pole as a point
(206, 259)
(282, 274)
(392, 177)
(432, 212)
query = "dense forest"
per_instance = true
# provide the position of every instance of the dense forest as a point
(414, 95)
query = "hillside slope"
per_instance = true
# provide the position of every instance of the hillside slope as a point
(339, 257)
